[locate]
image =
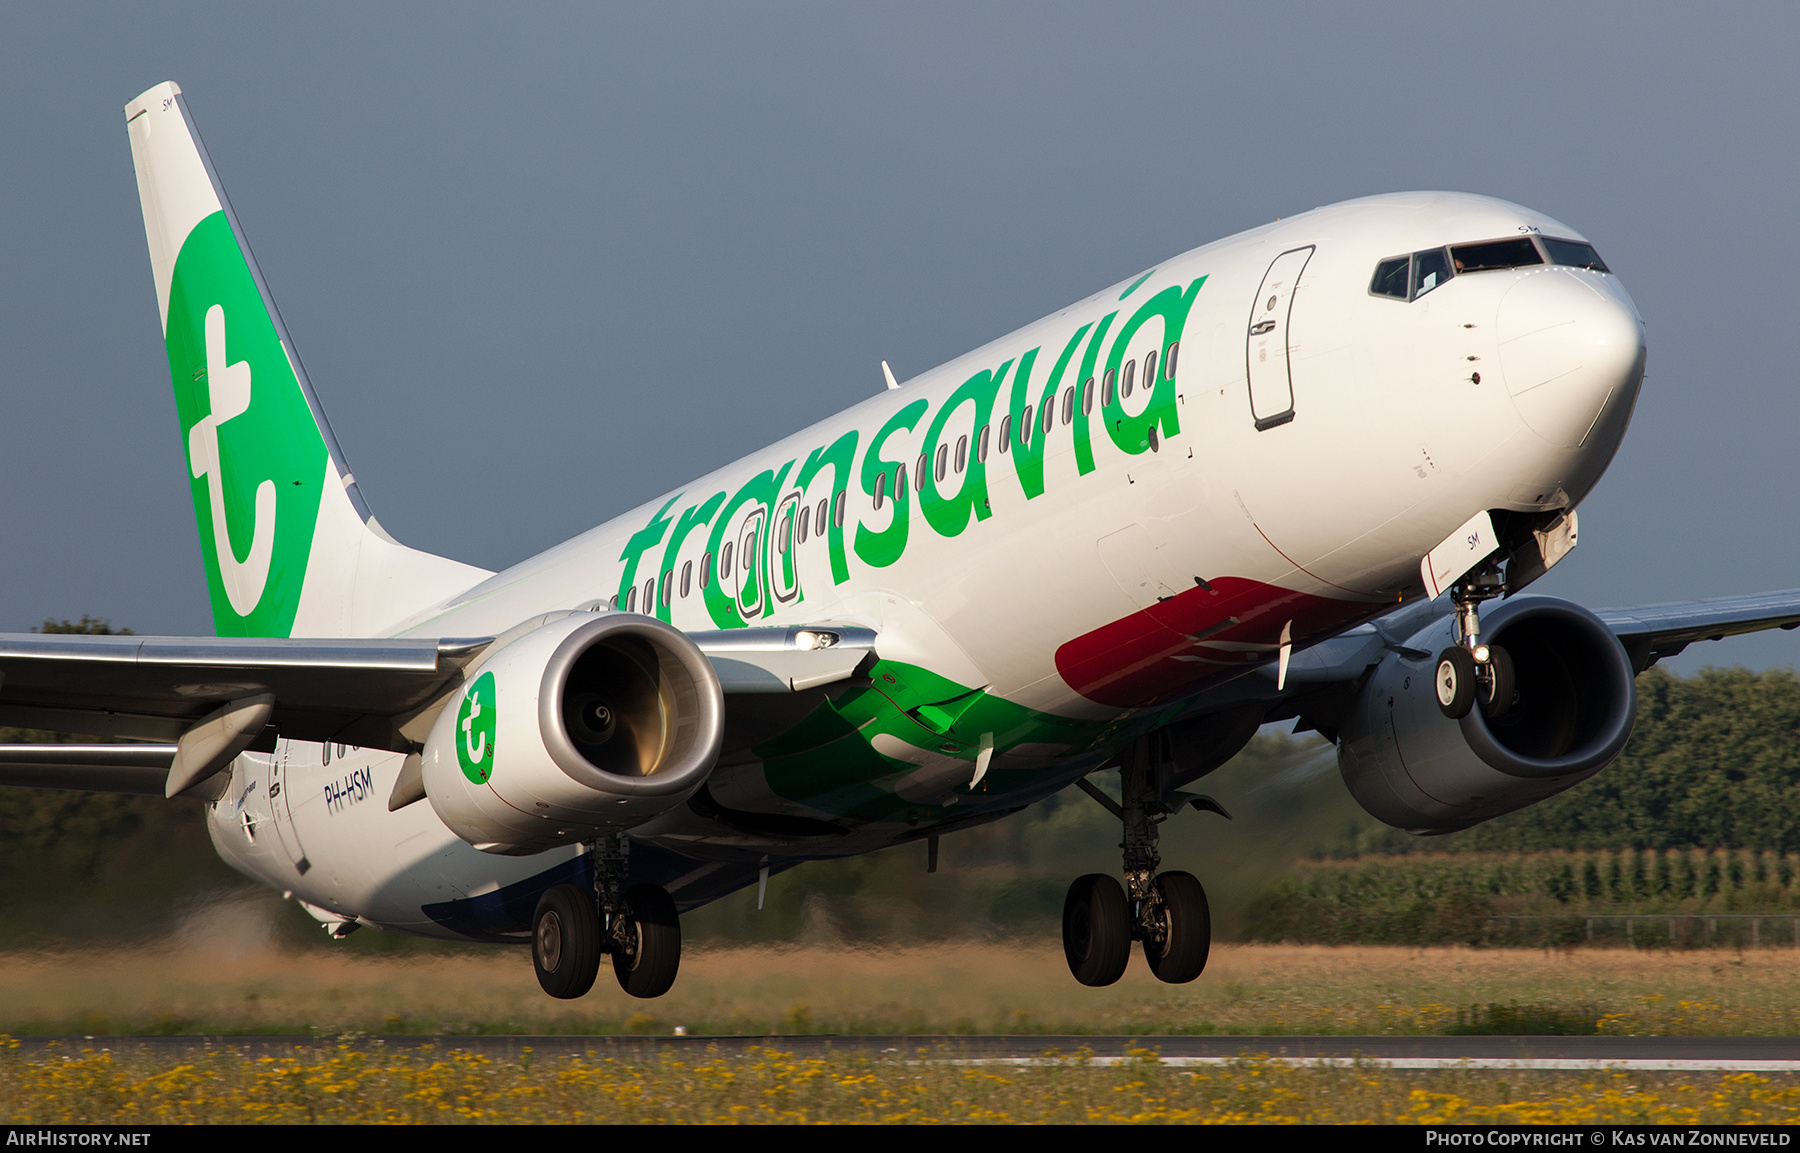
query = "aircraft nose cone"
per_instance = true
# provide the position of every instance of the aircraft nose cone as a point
(1570, 342)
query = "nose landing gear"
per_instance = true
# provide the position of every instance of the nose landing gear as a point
(1470, 672)
(637, 925)
(1167, 912)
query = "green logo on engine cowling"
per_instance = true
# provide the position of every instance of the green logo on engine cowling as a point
(475, 730)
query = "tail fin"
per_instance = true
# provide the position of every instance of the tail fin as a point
(269, 481)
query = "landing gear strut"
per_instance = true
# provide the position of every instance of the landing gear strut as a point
(1469, 672)
(1167, 911)
(636, 924)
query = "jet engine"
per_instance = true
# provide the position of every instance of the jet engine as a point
(1572, 709)
(581, 727)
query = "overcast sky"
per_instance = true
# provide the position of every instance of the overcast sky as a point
(543, 266)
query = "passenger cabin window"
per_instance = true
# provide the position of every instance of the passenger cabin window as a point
(824, 504)
(837, 510)
(1106, 397)
(687, 578)
(1169, 360)
(805, 517)
(1087, 397)
(981, 445)
(725, 560)
(1068, 404)
(1125, 381)
(1150, 369)
(1493, 255)
(880, 488)
(1005, 434)
(962, 454)
(943, 460)
(1025, 427)
(919, 473)
(1575, 254)
(706, 570)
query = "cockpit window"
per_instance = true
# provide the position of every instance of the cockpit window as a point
(1495, 254)
(1429, 269)
(1575, 253)
(1390, 277)
(1410, 277)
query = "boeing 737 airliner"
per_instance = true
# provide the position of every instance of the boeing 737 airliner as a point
(1299, 473)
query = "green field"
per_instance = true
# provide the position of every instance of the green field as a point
(215, 987)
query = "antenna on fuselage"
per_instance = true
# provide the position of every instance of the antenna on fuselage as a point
(889, 374)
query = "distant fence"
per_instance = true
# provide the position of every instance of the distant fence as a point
(1650, 930)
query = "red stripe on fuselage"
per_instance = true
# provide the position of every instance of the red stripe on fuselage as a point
(1187, 643)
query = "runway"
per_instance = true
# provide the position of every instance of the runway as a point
(1649, 1054)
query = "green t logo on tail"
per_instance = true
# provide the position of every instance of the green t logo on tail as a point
(254, 449)
(475, 730)
(228, 395)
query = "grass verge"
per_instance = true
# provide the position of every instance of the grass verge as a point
(1247, 990)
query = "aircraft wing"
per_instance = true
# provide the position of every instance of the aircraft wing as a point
(1322, 679)
(1652, 632)
(155, 688)
(365, 692)
(1648, 632)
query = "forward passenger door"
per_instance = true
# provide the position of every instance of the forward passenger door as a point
(1266, 353)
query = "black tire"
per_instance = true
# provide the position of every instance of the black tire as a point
(1497, 691)
(651, 956)
(1187, 930)
(1097, 930)
(565, 941)
(1453, 682)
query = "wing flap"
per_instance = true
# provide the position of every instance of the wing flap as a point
(142, 769)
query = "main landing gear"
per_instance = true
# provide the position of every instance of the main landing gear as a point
(1469, 672)
(1166, 911)
(636, 925)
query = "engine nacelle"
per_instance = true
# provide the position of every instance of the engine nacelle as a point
(1414, 768)
(585, 726)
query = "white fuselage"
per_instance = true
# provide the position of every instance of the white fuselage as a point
(1055, 574)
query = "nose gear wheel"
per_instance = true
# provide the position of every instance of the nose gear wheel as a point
(1469, 672)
